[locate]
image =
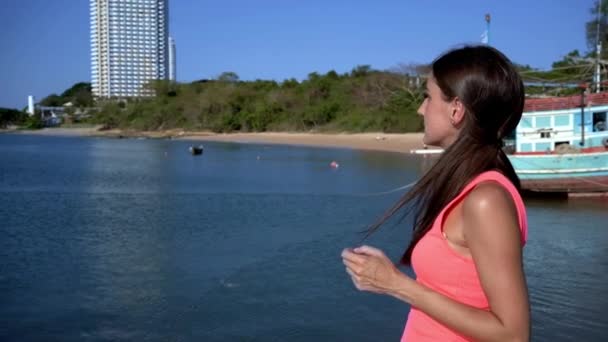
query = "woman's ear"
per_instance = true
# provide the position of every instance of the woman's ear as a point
(458, 110)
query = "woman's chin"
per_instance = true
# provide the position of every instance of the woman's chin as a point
(428, 142)
(432, 142)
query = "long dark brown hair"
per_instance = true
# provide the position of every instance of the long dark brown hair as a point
(492, 93)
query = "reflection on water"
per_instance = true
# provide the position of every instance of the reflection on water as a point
(136, 239)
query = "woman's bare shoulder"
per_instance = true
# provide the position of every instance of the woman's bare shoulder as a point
(489, 202)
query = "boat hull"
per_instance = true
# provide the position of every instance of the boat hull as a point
(565, 173)
(587, 185)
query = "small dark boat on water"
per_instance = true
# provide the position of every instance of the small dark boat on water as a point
(196, 150)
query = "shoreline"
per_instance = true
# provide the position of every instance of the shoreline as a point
(385, 142)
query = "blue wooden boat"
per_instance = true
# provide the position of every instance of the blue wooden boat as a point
(561, 145)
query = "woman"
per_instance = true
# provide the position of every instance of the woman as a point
(470, 223)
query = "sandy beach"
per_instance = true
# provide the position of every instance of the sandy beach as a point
(401, 143)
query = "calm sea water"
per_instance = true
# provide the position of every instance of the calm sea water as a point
(105, 239)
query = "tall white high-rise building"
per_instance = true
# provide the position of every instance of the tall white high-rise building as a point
(128, 46)
(172, 61)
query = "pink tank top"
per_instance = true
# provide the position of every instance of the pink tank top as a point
(442, 269)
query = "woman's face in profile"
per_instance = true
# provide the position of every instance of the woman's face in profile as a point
(436, 112)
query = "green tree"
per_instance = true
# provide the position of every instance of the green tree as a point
(228, 76)
(361, 70)
(52, 100)
(79, 94)
(290, 83)
(591, 28)
(162, 87)
(332, 74)
(9, 116)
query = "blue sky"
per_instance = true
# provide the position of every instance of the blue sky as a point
(45, 43)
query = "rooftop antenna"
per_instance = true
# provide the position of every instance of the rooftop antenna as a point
(598, 47)
(485, 38)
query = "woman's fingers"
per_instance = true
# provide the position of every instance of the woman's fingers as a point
(368, 250)
(370, 269)
(351, 265)
(353, 257)
(365, 262)
(367, 266)
(357, 281)
(353, 277)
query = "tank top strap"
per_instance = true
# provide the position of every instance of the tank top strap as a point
(499, 178)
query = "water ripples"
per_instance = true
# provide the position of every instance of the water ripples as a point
(112, 240)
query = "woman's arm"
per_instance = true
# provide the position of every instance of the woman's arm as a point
(493, 237)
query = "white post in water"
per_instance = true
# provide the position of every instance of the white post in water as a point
(30, 105)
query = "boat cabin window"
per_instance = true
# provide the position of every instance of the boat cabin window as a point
(599, 122)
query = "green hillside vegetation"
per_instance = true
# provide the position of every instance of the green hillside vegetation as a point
(362, 100)
(79, 95)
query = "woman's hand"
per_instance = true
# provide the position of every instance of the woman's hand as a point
(371, 270)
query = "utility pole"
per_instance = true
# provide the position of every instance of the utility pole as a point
(598, 48)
